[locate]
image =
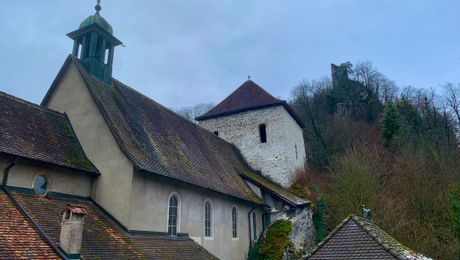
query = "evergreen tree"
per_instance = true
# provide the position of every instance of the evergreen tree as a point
(390, 122)
(319, 218)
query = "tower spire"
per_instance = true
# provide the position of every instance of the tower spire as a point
(98, 6)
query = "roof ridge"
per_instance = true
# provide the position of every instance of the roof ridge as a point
(256, 85)
(247, 97)
(246, 85)
(383, 242)
(25, 102)
(330, 235)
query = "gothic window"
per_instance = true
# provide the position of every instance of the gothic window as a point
(41, 185)
(173, 214)
(234, 223)
(254, 225)
(263, 133)
(207, 219)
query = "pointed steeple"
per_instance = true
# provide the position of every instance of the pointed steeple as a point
(94, 45)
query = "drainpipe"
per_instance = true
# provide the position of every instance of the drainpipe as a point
(249, 223)
(7, 171)
(26, 215)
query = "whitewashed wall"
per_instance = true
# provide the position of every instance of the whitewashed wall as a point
(277, 157)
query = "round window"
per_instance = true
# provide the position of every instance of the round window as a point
(41, 185)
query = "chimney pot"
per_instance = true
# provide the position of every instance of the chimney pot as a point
(73, 217)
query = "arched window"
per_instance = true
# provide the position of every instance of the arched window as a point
(173, 214)
(207, 219)
(254, 225)
(263, 133)
(234, 223)
(41, 185)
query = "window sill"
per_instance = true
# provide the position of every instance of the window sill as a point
(235, 238)
(208, 238)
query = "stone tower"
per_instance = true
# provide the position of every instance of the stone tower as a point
(94, 45)
(265, 129)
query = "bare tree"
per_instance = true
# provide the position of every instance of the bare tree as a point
(452, 101)
(309, 102)
(365, 73)
(192, 112)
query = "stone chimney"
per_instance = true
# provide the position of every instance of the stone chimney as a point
(73, 218)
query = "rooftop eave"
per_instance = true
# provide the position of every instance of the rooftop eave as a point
(147, 172)
(88, 172)
(276, 194)
(94, 27)
(281, 103)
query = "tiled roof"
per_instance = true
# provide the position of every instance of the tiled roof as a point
(18, 238)
(281, 192)
(247, 97)
(160, 142)
(360, 238)
(34, 132)
(102, 237)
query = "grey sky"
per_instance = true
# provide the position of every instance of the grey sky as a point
(185, 52)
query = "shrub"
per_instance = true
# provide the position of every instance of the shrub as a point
(276, 240)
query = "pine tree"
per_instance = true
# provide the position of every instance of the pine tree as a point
(319, 219)
(390, 122)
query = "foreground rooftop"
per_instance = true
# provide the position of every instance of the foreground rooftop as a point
(360, 238)
(33, 233)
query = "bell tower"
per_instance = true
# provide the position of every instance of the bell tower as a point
(94, 45)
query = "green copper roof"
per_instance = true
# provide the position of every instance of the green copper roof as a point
(97, 19)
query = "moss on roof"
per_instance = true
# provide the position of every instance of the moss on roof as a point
(386, 242)
(38, 133)
(273, 187)
(160, 142)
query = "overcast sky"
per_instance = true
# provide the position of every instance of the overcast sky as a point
(185, 52)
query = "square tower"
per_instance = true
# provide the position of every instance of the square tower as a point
(265, 129)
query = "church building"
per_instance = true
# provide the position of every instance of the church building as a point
(100, 171)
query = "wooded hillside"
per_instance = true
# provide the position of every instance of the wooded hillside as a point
(393, 150)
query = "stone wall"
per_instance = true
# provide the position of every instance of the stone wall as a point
(302, 235)
(284, 150)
